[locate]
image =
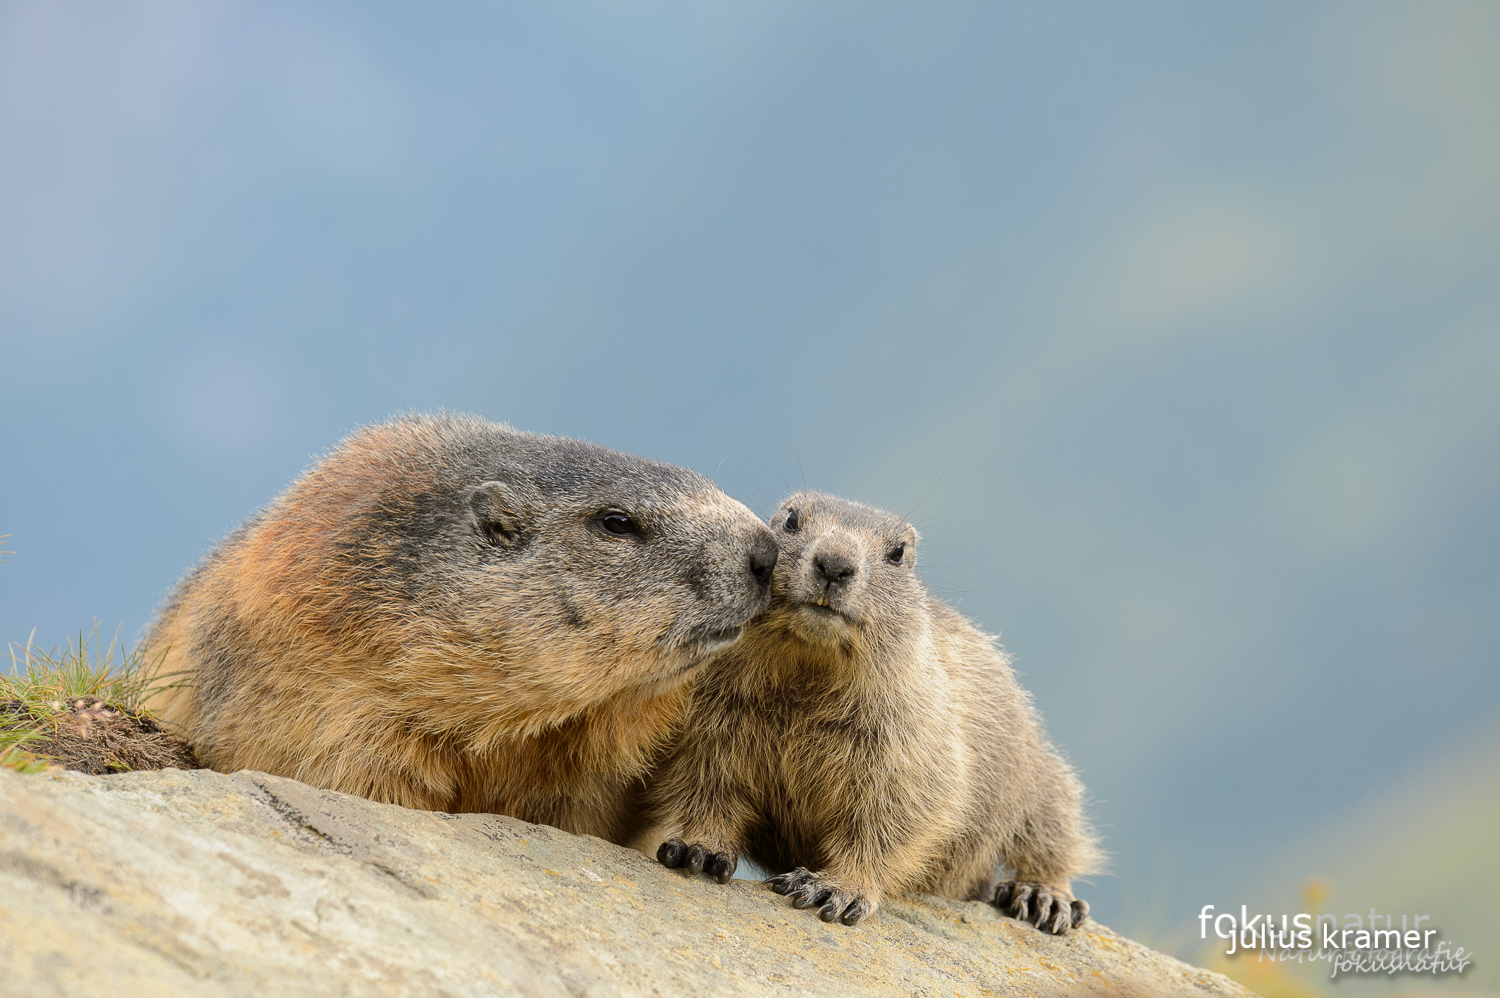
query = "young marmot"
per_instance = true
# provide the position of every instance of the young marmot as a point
(864, 738)
(449, 614)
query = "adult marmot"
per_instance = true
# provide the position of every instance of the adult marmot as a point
(864, 738)
(449, 614)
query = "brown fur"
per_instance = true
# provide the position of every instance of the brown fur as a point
(877, 742)
(435, 616)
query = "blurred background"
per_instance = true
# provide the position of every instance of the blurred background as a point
(1176, 328)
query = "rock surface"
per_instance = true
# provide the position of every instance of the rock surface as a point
(198, 883)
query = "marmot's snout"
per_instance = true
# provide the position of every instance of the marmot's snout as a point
(834, 567)
(828, 580)
(831, 570)
(763, 555)
(730, 576)
(747, 554)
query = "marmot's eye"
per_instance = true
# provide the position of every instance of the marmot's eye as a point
(791, 519)
(617, 522)
(896, 554)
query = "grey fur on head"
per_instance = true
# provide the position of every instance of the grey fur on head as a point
(846, 568)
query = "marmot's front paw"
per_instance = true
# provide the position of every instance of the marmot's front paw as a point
(814, 890)
(1048, 908)
(695, 858)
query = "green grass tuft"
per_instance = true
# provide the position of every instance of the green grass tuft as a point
(40, 684)
(13, 754)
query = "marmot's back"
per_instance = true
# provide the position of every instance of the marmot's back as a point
(450, 614)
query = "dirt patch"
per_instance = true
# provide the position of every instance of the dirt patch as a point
(92, 736)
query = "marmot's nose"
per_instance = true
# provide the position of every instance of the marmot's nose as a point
(836, 568)
(763, 552)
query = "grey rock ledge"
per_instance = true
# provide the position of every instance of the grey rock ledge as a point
(199, 883)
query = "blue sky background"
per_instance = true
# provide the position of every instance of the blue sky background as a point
(1178, 325)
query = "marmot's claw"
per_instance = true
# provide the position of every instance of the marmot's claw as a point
(785, 883)
(696, 858)
(807, 890)
(721, 866)
(1041, 913)
(809, 895)
(670, 853)
(856, 911)
(1045, 907)
(1061, 920)
(1020, 901)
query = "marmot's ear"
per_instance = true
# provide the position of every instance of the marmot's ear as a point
(496, 513)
